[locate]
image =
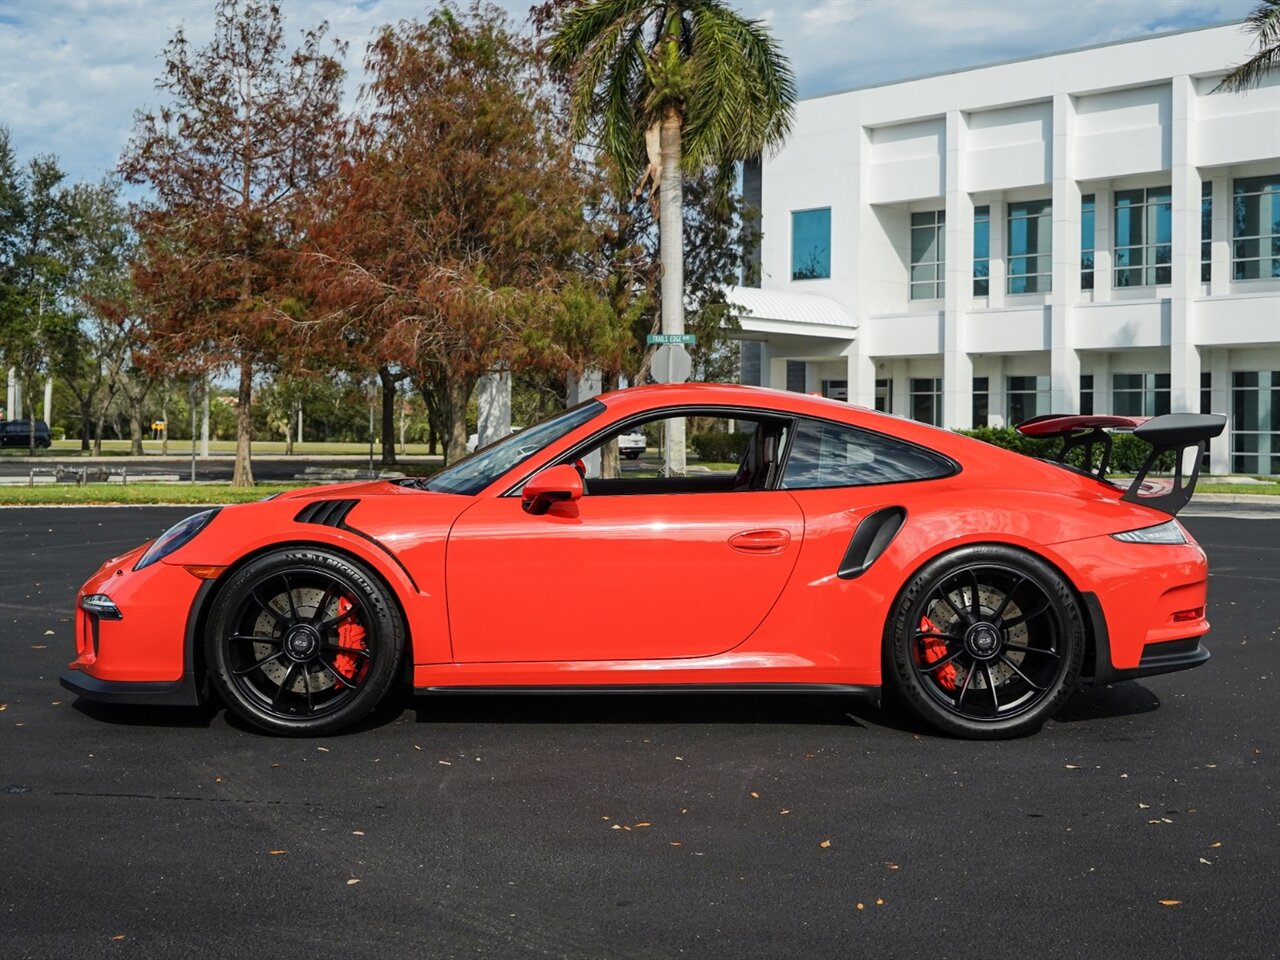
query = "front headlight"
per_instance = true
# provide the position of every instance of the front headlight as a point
(1169, 532)
(180, 533)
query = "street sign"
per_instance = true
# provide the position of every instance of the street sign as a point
(671, 338)
(671, 363)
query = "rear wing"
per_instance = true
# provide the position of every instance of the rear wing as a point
(1186, 435)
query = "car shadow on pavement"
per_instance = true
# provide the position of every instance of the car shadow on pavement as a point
(133, 715)
(1114, 700)
(640, 708)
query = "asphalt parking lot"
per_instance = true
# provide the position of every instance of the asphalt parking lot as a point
(1143, 822)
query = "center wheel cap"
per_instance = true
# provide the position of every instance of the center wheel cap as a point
(983, 641)
(302, 642)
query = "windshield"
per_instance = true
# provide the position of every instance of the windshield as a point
(472, 474)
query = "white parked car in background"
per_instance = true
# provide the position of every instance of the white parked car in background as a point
(631, 445)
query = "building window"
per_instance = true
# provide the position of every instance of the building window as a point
(1206, 231)
(927, 254)
(796, 376)
(1144, 237)
(981, 401)
(926, 400)
(1086, 394)
(884, 396)
(1088, 230)
(811, 244)
(1030, 247)
(1255, 422)
(981, 251)
(1256, 229)
(1140, 394)
(836, 390)
(1026, 397)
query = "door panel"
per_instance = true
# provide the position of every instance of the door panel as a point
(618, 577)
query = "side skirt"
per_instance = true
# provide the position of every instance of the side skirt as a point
(855, 689)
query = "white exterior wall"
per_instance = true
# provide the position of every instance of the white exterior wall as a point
(1093, 121)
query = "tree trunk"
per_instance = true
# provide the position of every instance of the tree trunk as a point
(86, 417)
(457, 392)
(610, 462)
(671, 247)
(388, 416)
(431, 438)
(243, 476)
(135, 428)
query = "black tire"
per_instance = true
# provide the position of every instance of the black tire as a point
(303, 642)
(985, 643)
(631, 454)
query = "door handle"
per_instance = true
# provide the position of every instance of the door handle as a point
(760, 541)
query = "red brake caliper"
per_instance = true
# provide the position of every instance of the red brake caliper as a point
(932, 650)
(351, 636)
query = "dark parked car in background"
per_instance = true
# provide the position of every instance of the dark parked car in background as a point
(17, 433)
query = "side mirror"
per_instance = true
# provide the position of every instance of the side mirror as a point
(552, 485)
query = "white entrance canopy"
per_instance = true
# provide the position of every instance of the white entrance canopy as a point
(795, 314)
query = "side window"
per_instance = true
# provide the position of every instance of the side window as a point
(834, 455)
(723, 454)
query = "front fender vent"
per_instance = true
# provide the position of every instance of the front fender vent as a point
(326, 513)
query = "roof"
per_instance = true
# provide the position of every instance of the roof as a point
(1035, 56)
(801, 308)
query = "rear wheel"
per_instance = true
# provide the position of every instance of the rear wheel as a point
(986, 643)
(303, 642)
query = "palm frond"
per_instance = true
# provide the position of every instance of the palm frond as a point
(1264, 24)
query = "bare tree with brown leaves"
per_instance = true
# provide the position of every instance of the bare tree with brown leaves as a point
(248, 129)
(442, 243)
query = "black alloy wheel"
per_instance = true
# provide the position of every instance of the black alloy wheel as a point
(303, 642)
(986, 642)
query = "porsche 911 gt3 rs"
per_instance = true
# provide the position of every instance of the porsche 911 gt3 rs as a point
(846, 550)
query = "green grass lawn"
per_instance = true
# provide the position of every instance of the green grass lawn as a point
(1267, 489)
(138, 493)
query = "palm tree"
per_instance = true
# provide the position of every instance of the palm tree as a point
(1264, 24)
(665, 86)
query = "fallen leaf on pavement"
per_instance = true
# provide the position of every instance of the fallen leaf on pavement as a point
(892, 866)
(276, 853)
(323, 749)
(755, 795)
(1216, 844)
(879, 901)
(357, 833)
(824, 844)
(1170, 903)
(352, 882)
(118, 936)
(862, 906)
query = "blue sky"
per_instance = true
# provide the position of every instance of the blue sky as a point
(72, 72)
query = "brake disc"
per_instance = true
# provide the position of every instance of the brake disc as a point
(305, 601)
(946, 620)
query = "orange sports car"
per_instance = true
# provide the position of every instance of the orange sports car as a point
(812, 545)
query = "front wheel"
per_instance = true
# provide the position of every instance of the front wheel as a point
(985, 643)
(303, 642)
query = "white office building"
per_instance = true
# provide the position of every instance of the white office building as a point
(1091, 231)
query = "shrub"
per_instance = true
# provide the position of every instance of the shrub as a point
(719, 447)
(1128, 453)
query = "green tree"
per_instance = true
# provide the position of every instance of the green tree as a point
(1264, 24)
(35, 319)
(249, 129)
(669, 86)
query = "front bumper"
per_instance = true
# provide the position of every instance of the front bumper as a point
(136, 635)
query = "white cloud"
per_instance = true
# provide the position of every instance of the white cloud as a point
(72, 72)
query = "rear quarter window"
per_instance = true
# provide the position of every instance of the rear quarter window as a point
(837, 455)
